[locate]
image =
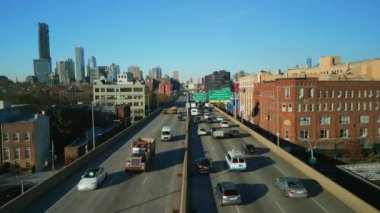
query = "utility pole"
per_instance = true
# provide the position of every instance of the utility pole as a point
(52, 156)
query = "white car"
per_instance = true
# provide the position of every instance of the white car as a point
(219, 118)
(92, 178)
(206, 115)
(202, 131)
(224, 124)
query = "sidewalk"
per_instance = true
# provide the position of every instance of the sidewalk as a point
(12, 179)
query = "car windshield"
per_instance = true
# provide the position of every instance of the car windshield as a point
(204, 161)
(250, 147)
(201, 129)
(166, 133)
(231, 192)
(91, 173)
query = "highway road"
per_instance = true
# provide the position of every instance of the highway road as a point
(256, 185)
(155, 191)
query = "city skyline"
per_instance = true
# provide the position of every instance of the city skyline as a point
(195, 37)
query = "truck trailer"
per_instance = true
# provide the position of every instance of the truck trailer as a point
(142, 151)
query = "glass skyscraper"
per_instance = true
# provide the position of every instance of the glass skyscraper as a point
(79, 64)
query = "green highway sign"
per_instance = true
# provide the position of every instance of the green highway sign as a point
(220, 95)
(200, 97)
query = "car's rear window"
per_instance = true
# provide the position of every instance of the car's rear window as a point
(295, 185)
(231, 192)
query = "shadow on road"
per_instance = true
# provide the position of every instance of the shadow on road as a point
(258, 162)
(116, 178)
(177, 138)
(252, 192)
(312, 186)
(166, 159)
(261, 150)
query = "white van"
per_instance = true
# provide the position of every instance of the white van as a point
(166, 133)
(194, 111)
(235, 160)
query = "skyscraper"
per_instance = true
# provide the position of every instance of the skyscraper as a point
(155, 73)
(65, 71)
(137, 73)
(42, 66)
(175, 75)
(79, 63)
(91, 64)
(308, 62)
(43, 41)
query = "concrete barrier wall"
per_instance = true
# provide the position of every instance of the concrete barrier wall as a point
(345, 196)
(183, 201)
(23, 200)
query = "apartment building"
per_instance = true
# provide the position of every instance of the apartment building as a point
(324, 113)
(121, 93)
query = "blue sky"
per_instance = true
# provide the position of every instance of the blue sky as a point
(195, 37)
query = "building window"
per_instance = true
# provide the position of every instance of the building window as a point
(283, 107)
(16, 137)
(324, 120)
(364, 106)
(343, 133)
(290, 108)
(286, 134)
(378, 131)
(6, 155)
(319, 93)
(17, 154)
(325, 107)
(345, 106)
(358, 106)
(305, 107)
(27, 152)
(298, 107)
(324, 134)
(5, 137)
(135, 103)
(287, 92)
(359, 94)
(351, 106)
(344, 119)
(364, 119)
(345, 94)
(137, 89)
(332, 94)
(339, 93)
(311, 107)
(319, 107)
(352, 94)
(377, 93)
(304, 121)
(27, 136)
(370, 94)
(300, 92)
(365, 93)
(304, 134)
(370, 106)
(378, 118)
(125, 89)
(311, 92)
(339, 106)
(363, 132)
(331, 106)
(326, 93)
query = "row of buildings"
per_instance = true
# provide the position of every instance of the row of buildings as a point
(322, 106)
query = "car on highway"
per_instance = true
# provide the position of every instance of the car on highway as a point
(224, 124)
(219, 118)
(92, 178)
(227, 193)
(291, 187)
(202, 131)
(249, 149)
(204, 165)
(234, 133)
(180, 117)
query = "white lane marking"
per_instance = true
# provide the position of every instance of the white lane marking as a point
(145, 179)
(320, 205)
(278, 168)
(278, 205)
(237, 208)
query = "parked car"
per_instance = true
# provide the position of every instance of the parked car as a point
(224, 124)
(291, 187)
(202, 131)
(227, 193)
(249, 149)
(92, 178)
(204, 165)
(219, 118)
(234, 133)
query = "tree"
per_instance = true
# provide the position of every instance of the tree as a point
(353, 152)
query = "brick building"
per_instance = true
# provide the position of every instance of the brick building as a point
(325, 113)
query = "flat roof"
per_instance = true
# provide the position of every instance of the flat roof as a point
(368, 172)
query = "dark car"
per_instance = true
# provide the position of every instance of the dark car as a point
(227, 193)
(249, 149)
(204, 165)
(180, 117)
(234, 133)
(197, 119)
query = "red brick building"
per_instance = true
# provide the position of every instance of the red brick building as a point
(325, 113)
(165, 87)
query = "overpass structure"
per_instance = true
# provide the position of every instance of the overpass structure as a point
(172, 185)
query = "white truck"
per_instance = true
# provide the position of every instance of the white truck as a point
(217, 132)
(166, 133)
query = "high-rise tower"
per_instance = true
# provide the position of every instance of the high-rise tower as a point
(43, 41)
(79, 63)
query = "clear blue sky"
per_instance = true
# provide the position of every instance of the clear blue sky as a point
(195, 37)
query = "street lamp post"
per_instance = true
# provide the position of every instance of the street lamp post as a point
(278, 120)
(93, 126)
(52, 156)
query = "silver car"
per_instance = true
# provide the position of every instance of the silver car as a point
(92, 178)
(227, 193)
(291, 187)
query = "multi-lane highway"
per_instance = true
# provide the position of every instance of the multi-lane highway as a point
(155, 191)
(256, 185)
